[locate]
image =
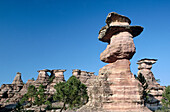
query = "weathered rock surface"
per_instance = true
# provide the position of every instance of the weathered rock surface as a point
(83, 76)
(116, 89)
(10, 92)
(25, 87)
(57, 76)
(121, 47)
(155, 94)
(43, 77)
(17, 80)
(115, 24)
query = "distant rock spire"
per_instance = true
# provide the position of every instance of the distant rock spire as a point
(17, 80)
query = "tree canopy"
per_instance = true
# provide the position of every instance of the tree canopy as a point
(72, 92)
(166, 99)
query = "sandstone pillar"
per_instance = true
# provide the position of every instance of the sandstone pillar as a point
(116, 89)
(155, 94)
(58, 76)
(43, 77)
(17, 80)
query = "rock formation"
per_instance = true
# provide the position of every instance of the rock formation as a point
(116, 89)
(155, 94)
(57, 76)
(83, 76)
(9, 92)
(25, 87)
(17, 80)
(43, 77)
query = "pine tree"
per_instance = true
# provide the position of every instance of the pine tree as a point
(145, 92)
(40, 96)
(31, 93)
(166, 99)
(73, 93)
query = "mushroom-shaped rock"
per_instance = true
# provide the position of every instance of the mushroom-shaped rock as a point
(107, 32)
(43, 77)
(115, 89)
(146, 63)
(58, 75)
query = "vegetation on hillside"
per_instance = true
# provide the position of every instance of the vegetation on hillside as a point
(73, 93)
(166, 100)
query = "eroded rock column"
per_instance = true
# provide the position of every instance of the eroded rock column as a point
(155, 94)
(58, 76)
(17, 80)
(116, 89)
(43, 77)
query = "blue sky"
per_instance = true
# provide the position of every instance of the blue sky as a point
(62, 34)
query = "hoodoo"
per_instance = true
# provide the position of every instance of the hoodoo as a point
(116, 89)
(155, 94)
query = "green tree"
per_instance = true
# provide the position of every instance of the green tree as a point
(33, 79)
(166, 99)
(145, 92)
(31, 93)
(73, 93)
(40, 96)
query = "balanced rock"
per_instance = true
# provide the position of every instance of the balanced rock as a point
(116, 89)
(155, 94)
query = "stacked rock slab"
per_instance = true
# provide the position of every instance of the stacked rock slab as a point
(116, 89)
(58, 76)
(155, 94)
(83, 76)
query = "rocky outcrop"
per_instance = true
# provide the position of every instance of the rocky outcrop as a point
(17, 80)
(10, 92)
(155, 94)
(43, 77)
(25, 87)
(56, 76)
(83, 76)
(116, 89)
